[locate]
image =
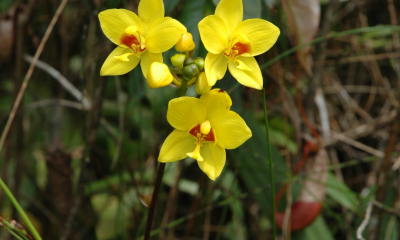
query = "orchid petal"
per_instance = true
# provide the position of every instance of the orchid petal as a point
(163, 34)
(215, 67)
(231, 11)
(247, 78)
(113, 22)
(214, 158)
(213, 33)
(260, 33)
(113, 67)
(185, 112)
(149, 10)
(176, 145)
(216, 101)
(230, 128)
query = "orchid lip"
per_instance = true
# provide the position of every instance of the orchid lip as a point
(130, 39)
(203, 133)
(196, 132)
(237, 49)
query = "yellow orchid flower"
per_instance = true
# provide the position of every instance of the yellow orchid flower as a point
(204, 128)
(139, 38)
(233, 43)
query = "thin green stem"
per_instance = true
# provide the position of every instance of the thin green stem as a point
(15, 235)
(183, 88)
(160, 173)
(20, 210)
(270, 167)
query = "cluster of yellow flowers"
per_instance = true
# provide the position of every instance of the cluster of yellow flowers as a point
(204, 127)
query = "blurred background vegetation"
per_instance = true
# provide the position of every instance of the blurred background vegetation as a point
(79, 164)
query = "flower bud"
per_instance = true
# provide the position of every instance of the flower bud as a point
(190, 71)
(177, 60)
(199, 62)
(158, 75)
(185, 44)
(188, 61)
(202, 84)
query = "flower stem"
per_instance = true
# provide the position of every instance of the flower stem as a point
(270, 167)
(153, 202)
(20, 210)
(183, 88)
(181, 92)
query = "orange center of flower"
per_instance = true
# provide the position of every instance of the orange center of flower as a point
(203, 133)
(237, 49)
(133, 40)
(238, 45)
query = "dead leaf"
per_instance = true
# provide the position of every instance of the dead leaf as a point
(7, 23)
(145, 199)
(303, 19)
(316, 169)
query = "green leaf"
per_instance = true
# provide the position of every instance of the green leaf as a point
(389, 224)
(4, 5)
(316, 231)
(341, 194)
(280, 138)
(251, 161)
(170, 5)
(113, 3)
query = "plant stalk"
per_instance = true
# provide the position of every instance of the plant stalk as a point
(160, 173)
(20, 210)
(270, 167)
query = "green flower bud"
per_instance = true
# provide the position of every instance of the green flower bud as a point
(188, 61)
(199, 62)
(202, 84)
(190, 71)
(178, 60)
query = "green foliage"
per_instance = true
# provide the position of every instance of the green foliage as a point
(4, 5)
(340, 193)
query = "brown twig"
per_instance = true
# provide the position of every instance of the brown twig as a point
(364, 129)
(170, 208)
(67, 85)
(59, 102)
(30, 71)
(154, 198)
(207, 220)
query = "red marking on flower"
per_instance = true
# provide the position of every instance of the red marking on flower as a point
(129, 40)
(241, 48)
(221, 91)
(195, 132)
